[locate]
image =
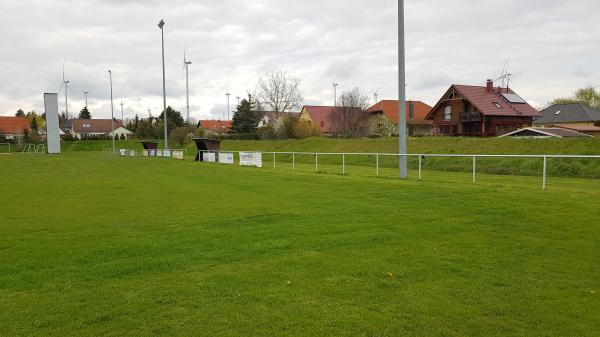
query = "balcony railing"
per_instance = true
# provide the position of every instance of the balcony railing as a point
(472, 116)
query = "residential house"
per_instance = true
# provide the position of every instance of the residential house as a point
(320, 116)
(96, 128)
(215, 127)
(416, 115)
(317, 116)
(484, 111)
(538, 132)
(13, 129)
(273, 118)
(579, 117)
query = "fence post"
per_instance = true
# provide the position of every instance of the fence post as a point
(316, 162)
(273, 161)
(544, 173)
(293, 162)
(420, 164)
(343, 164)
(474, 169)
(377, 164)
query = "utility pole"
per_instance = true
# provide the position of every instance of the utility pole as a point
(161, 24)
(403, 162)
(228, 94)
(238, 99)
(112, 112)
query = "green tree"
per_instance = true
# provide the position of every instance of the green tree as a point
(587, 95)
(174, 119)
(20, 113)
(246, 117)
(85, 113)
(34, 125)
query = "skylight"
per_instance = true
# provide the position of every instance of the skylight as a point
(558, 112)
(514, 98)
(497, 105)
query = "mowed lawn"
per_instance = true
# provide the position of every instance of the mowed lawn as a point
(92, 245)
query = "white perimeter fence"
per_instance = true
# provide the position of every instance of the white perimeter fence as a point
(380, 161)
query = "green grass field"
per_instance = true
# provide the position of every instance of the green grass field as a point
(95, 245)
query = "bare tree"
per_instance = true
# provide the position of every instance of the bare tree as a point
(350, 118)
(279, 91)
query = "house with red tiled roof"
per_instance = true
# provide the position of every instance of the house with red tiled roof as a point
(97, 128)
(13, 128)
(212, 126)
(317, 116)
(321, 117)
(416, 115)
(483, 111)
(416, 111)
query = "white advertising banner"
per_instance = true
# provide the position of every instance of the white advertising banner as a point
(132, 153)
(251, 159)
(159, 153)
(145, 153)
(178, 155)
(152, 153)
(209, 157)
(166, 153)
(226, 158)
(123, 152)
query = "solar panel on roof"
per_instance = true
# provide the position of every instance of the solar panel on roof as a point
(514, 98)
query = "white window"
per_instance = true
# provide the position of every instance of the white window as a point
(448, 113)
(497, 105)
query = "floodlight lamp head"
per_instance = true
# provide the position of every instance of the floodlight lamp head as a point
(161, 24)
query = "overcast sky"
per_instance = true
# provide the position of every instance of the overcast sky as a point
(553, 46)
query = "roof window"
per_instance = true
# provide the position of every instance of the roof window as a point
(497, 105)
(558, 112)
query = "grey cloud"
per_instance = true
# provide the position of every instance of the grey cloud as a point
(552, 46)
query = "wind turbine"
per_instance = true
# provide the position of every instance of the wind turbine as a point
(335, 85)
(85, 94)
(186, 66)
(227, 94)
(375, 95)
(122, 111)
(65, 83)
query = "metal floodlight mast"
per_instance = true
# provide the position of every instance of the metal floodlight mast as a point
(403, 162)
(112, 112)
(161, 24)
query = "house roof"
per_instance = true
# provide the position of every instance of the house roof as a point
(320, 115)
(568, 113)
(13, 125)
(94, 125)
(545, 133)
(579, 127)
(122, 129)
(390, 109)
(485, 101)
(214, 125)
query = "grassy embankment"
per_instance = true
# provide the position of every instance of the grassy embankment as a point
(581, 168)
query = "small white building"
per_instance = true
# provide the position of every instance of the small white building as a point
(121, 131)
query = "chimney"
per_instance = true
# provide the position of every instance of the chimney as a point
(490, 86)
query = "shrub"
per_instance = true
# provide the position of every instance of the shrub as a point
(303, 129)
